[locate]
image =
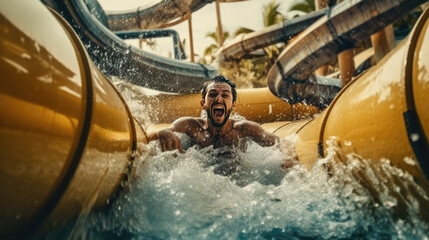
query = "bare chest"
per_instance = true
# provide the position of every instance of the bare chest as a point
(204, 139)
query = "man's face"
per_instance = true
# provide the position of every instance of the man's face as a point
(218, 103)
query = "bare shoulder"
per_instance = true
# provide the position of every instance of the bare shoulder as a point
(185, 124)
(248, 127)
(245, 124)
(256, 132)
(188, 121)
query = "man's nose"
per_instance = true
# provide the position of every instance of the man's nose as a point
(219, 99)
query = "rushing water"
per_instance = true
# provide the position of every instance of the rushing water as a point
(179, 196)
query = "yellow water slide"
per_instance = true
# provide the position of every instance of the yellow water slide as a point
(68, 139)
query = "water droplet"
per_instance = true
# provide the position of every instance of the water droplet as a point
(409, 161)
(389, 203)
(415, 137)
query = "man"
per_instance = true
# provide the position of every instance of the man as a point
(218, 100)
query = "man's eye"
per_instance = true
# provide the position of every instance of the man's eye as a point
(225, 96)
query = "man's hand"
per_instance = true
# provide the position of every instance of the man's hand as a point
(288, 149)
(169, 141)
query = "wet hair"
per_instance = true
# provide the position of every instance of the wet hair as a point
(219, 79)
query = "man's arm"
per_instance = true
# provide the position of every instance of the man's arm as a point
(167, 139)
(257, 133)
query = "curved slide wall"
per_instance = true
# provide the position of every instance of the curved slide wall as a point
(345, 25)
(68, 138)
(381, 114)
(282, 32)
(155, 16)
(115, 58)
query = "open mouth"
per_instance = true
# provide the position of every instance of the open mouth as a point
(218, 111)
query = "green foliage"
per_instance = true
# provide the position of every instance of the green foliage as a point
(210, 52)
(242, 30)
(271, 15)
(306, 6)
(248, 73)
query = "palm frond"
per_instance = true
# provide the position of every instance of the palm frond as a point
(211, 49)
(306, 6)
(225, 35)
(242, 30)
(271, 14)
(212, 35)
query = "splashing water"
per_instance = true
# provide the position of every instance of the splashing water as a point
(179, 196)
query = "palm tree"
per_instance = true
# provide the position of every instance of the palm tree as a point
(210, 52)
(256, 69)
(242, 30)
(270, 16)
(305, 6)
(253, 71)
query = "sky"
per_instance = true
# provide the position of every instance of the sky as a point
(233, 15)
